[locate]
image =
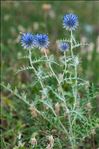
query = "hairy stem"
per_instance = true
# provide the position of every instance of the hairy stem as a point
(72, 137)
(67, 110)
(30, 59)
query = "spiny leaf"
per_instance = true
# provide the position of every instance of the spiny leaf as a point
(24, 68)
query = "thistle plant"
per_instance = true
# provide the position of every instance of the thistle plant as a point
(63, 98)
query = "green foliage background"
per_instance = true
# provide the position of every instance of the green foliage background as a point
(17, 16)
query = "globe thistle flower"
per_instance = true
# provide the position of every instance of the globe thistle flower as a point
(63, 46)
(42, 41)
(28, 40)
(70, 21)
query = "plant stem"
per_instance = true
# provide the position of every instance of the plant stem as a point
(65, 65)
(30, 59)
(51, 66)
(26, 102)
(71, 45)
(72, 38)
(67, 110)
(72, 137)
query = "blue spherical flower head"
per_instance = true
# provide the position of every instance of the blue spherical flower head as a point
(28, 40)
(42, 41)
(70, 21)
(63, 46)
